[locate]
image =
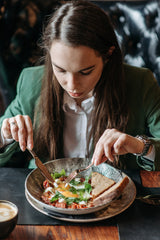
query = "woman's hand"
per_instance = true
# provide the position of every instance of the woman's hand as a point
(20, 129)
(114, 142)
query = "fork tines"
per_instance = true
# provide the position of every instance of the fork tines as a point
(71, 176)
(74, 173)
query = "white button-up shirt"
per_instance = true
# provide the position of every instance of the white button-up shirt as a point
(77, 128)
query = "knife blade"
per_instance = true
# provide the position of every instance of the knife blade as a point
(41, 166)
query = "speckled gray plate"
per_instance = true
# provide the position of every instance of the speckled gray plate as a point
(34, 188)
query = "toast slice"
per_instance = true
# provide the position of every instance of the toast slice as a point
(112, 193)
(100, 184)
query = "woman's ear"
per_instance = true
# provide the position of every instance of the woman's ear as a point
(109, 53)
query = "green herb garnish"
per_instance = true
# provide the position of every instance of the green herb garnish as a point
(58, 175)
(57, 196)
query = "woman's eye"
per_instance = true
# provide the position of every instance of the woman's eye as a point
(60, 70)
(86, 73)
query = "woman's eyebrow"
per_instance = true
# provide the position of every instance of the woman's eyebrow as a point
(81, 70)
(56, 65)
(88, 68)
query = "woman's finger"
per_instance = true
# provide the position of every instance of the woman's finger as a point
(5, 130)
(22, 133)
(29, 129)
(108, 151)
(14, 128)
(97, 155)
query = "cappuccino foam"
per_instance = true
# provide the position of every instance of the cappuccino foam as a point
(7, 212)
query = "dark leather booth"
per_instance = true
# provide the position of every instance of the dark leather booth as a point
(136, 23)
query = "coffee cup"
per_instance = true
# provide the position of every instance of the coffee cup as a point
(8, 218)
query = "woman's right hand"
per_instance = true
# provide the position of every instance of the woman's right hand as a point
(20, 129)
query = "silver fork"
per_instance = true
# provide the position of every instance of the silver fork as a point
(73, 174)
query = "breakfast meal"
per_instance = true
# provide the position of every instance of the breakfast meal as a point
(81, 192)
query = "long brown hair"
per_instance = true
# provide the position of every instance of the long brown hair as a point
(80, 23)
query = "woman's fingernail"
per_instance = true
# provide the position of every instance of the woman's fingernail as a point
(30, 147)
(23, 148)
(96, 162)
(93, 161)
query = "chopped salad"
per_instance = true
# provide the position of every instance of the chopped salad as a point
(74, 195)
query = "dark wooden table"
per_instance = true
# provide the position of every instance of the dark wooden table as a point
(70, 232)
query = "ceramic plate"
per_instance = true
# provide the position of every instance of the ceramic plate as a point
(116, 207)
(34, 189)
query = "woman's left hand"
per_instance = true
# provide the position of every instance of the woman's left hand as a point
(113, 142)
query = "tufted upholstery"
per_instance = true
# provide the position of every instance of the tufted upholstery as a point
(136, 23)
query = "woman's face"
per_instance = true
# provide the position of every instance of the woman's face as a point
(77, 69)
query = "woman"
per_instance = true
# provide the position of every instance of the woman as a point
(84, 102)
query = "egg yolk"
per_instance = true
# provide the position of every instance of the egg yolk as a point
(64, 190)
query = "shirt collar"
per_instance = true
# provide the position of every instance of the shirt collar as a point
(70, 104)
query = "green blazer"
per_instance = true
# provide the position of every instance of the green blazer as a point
(143, 94)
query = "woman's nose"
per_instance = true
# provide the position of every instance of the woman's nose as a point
(71, 81)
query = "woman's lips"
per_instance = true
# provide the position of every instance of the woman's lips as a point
(75, 94)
